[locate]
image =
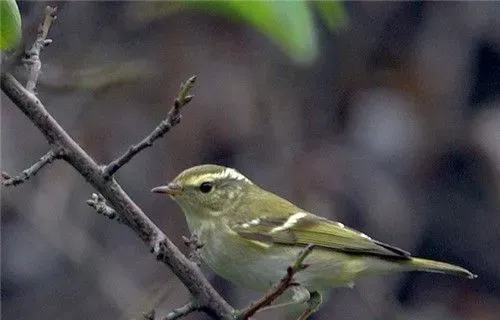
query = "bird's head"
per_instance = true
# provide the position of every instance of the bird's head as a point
(206, 190)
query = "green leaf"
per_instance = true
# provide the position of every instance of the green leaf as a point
(332, 13)
(10, 24)
(289, 24)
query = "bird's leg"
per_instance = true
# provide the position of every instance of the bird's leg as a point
(313, 304)
(300, 296)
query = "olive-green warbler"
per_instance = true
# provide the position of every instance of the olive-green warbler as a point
(250, 236)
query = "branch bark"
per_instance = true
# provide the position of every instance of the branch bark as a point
(32, 59)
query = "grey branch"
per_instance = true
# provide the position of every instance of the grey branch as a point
(47, 158)
(32, 59)
(98, 202)
(182, 311)
(172, 119)
(277, 290)
(165, 251)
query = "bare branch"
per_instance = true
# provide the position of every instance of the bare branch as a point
(165, 251)
(277, 290)
(172, 119)
(47, 158)
(182, 311)
(98, 202)
(32, 59)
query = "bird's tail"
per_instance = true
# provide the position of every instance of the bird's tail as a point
(420, 264)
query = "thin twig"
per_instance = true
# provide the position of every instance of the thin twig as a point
(182, 311)
(172, 119)
(98, 202)
(277, 290)
(32, 59)
(194, 245)
(47, 158)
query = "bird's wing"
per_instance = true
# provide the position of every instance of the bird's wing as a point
(302, 228)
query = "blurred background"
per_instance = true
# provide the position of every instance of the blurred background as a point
(383, 115)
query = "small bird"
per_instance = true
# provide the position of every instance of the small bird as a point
(250, 236)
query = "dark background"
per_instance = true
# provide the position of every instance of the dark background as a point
(394, 130)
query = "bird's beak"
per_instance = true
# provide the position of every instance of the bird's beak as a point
(172, 189)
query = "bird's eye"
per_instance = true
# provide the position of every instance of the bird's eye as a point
(206, 187)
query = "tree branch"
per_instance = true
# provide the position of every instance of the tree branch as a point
(47, 158)
(138, 221)
(32, 60)
(276, 291)
(172, 119)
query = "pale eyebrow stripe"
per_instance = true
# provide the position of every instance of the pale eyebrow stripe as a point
(199, 179)
(227, 173)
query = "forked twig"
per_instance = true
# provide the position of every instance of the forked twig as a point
(277, 290)
(47, 158)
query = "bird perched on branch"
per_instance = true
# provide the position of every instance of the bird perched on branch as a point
(250, 236)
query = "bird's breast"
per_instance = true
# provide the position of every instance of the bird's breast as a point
(258, 266)
(243, 262)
